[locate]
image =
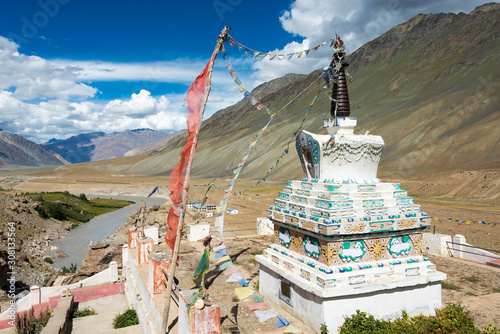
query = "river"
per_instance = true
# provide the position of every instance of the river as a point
(76, 243)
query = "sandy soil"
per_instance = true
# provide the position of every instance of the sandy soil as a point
(478, 285)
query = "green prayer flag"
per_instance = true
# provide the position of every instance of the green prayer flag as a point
(203, 266)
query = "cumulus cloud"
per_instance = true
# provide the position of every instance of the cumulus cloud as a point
(32, 77)
(45, 120)
(357, 22)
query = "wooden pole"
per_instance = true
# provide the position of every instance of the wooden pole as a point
(185, 187)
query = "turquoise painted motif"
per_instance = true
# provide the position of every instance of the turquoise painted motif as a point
(311, 247)
(373, 203)
(283, 196)
(404, 200)
(324, 204)
(299, 199)
(304, 140)
(303, 192)
(280, 203)
(332, 188)
(284, 236)
(366, 188)
(400, 246)
(352, 251)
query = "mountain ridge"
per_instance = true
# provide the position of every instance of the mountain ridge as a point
(17, 150)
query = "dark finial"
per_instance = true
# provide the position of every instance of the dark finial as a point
(340, 96)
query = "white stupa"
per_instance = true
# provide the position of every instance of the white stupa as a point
(344, 240)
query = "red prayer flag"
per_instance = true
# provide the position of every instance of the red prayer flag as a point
(194, 102)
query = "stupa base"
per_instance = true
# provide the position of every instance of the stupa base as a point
(313, 302)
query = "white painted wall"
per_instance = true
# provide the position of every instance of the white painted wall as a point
(436, 244)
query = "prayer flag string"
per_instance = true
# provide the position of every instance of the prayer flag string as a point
(285, 152)
(258, 105)
(466, 222)
(271, 56)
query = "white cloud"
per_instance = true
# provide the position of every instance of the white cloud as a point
(140, 105)
(357, 23)
(32, 77)
(176, 71)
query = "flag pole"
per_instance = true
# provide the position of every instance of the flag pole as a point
(185, 187)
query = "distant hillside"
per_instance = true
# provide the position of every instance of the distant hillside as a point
(430, 87)
(100, 146)
(17, 150)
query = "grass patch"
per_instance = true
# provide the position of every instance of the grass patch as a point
(77, 209)
(472, 279)
(257, 252)
(496, 289)
(84, 313)
(449, 286)
(48, 260)
(125, 319)
(252, 260)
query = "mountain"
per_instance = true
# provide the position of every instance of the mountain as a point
(100, 146)
(17, 150)
(75, 149)
(430, 87)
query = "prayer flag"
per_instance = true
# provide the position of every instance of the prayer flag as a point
(259, 106)
(229, 66)
(255, 54)
(254, 101)
(262, 56)
(281, 57)
(237, 81)
(233, 74)
(203, 266)
(247, 94)
(241, 88)
(232, 42)
(240, 46)
(271, 56)
(194, 100)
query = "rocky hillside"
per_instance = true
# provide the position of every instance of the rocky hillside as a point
(31, 235)
(17, 150)
(100, 146)
(429, 87)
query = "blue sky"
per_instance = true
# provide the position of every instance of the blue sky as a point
(74, 66)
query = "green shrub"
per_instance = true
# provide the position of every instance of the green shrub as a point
(26, 323)
(48, 260)
(449, 286)
(450, 319)
(84, 313)
(72, 268)
(125, 319)
(83, 197)
(41, 212)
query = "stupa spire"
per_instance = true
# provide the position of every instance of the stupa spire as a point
(340, 96)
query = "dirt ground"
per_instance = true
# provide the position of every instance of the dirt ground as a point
(476, 286)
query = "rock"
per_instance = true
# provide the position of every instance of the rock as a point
(60, 254)
(61, 203)
(99, 258)
(99, 245)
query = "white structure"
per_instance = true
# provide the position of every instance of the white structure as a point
(198, 231)
(460, 248)
(151, 232)
(343, 239)
(232, 211)
(265, 226)
(436, 244)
